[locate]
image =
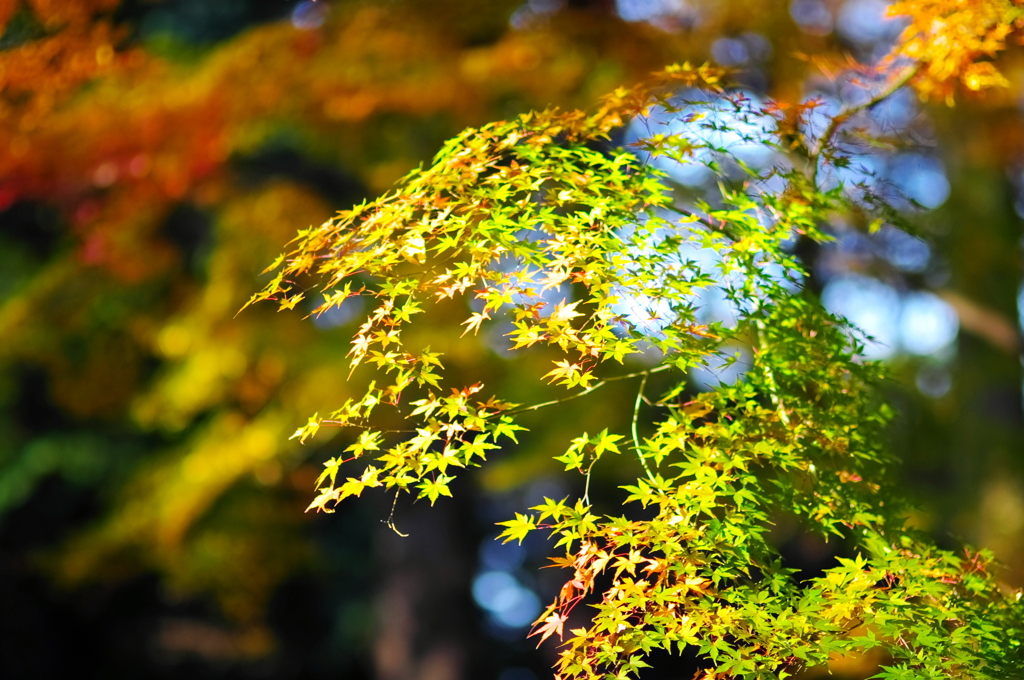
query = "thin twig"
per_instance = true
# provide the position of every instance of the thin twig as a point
(636, 417)
(345, 423)
(595, 386)
(706, 221)
(390, 521)
(773, 387)
(586, 485)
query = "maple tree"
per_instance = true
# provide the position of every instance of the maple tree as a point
(588, 249)
(148, 179)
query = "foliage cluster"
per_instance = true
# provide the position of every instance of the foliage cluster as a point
(560, 239)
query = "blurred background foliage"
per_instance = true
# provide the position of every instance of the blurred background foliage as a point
(155, 156)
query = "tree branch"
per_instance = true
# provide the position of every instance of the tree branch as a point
(837, 121)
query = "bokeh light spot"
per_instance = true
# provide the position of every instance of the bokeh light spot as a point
(502, 556)
(655, 11)
(928, 324)
(864, 21)
(871, 306)
(812, 16)
(511, 605)
(309, 15)
(934, 381)
(903, 250)
(921, 178)
(730, 52)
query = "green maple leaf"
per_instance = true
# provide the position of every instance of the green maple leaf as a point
(518, 528)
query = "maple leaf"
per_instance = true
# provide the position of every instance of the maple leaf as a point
(433, 488)
(360, 344)
(478, 447)
(330, 470)
(320, 502)
(308, 430)
(552, 625)
(273, 265)
(474, 321)
(518, 528)
(564, 312)
(506, 428)
(551, 508)
(525, 335)
(368, 441)
(563, 371)
(291, 301)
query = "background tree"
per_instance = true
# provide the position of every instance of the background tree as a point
(158, 156)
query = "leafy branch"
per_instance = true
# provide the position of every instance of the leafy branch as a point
(517, 213)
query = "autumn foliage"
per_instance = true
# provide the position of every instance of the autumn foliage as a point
(562, 241)
(585, 248)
